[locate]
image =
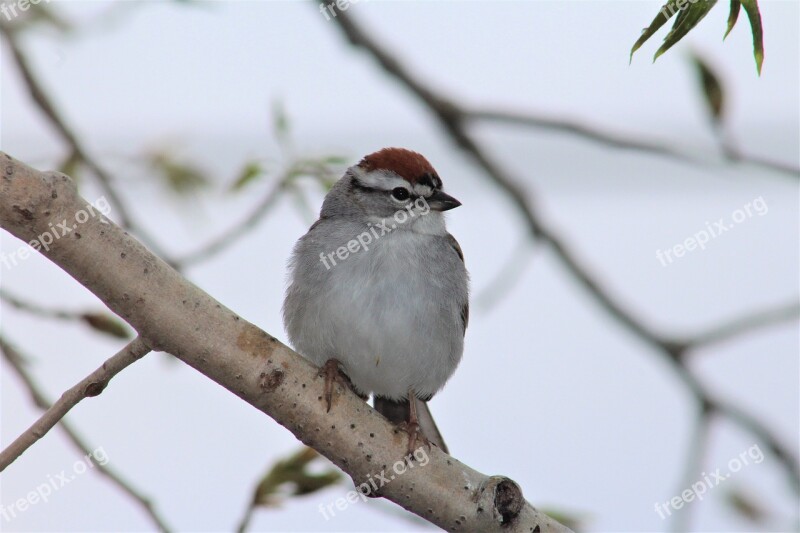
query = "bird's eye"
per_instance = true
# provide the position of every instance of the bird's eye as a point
(400, 193)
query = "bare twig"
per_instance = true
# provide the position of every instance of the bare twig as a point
(35, 309)
(508, 275)
(695, 455)
(453, 119)
(48, 108)
(746, 324)
(92, 385)
(16, 362)
(621, 141)
(578, 129)
(244, 523)
(236, 231)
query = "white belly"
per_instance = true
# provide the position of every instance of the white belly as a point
(391, 316)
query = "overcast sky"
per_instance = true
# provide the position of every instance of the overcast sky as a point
(593, 423)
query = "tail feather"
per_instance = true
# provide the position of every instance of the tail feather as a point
(397, 412)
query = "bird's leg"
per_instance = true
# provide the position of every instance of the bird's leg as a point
(332, 373)
(412, 427)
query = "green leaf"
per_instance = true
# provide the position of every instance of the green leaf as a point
(712, 89)
(667, 11)
(106, 324)
(734, 15)
(249, 173)
(751, 8)
(292, 473)
(334, 160)
(181, 178)
(280, 123)
(574, 521)
(687, 18)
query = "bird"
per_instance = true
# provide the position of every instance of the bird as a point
(378, 292)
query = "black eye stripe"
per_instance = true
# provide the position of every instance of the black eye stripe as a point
(428, 180)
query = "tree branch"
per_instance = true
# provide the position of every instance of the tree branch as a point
(173, 315)
(92, 385)
(746, 324)
(16, 361)
(621, 141)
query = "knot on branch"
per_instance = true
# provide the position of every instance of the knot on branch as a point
(504, 497)
(30, 194)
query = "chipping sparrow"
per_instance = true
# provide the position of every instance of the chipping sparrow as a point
(379, 286)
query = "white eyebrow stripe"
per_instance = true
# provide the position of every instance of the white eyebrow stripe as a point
(423, 190)
(379, 179)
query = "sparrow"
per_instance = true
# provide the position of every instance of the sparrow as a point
(378, 293)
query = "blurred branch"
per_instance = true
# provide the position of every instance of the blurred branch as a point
(698, 446)
(453, 118)
(34, 309)
(92, 385)
(17, 363)
(319, 169)
(79, 153)
(575, 128)
(508, 276)
(621, 141)
(746, 324)
(237, 231)
(100, 322)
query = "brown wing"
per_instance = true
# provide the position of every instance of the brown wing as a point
(464, 310)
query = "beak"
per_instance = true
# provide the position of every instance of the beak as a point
(440, 201)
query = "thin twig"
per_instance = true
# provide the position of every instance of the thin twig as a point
(746, 324)
(620, 141)
(92, 385)
(236, 231)
(40, 400)
(698, 445)
(507, 277)
(45, 104)
(577, 129)
(35, 309)
(244, 523)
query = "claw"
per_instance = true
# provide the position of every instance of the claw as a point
(412, 426)
(330, 371)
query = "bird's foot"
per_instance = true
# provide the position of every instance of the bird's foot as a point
(412, 426)
(332, 373)
(415, 435)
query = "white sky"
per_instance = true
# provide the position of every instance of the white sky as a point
(596, 424)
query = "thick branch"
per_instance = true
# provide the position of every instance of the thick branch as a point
(173, 315)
